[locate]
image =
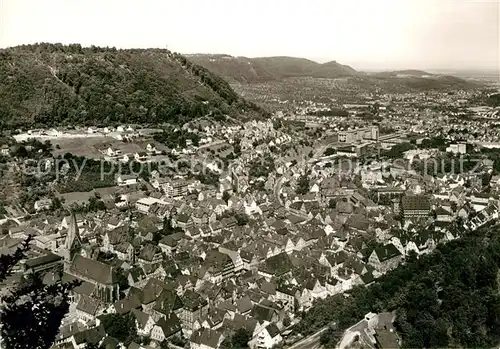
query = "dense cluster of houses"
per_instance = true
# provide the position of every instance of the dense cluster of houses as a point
(202, 261)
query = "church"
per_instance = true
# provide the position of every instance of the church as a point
(98, 279)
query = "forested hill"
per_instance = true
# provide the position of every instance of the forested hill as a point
(50, 84)
(249, 70)
(294, 72)
(449, 298)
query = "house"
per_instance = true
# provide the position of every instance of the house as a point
(168, 244)
(141, 156)
(219, 266)
(113, 238)
(112, 152)
(151, 148)
(150, 254)
(125, 251)
(166, 302)
(166, 327)
(42, 204)
(194, 307)
(443, 215)
(415, 206)
(87, 308)
(267, 338)
(143, 321)
(4, 150)
(276, 266)
(174, 188)
(206, 338)
(364, 333)
(144, 205)
(385, 258)
(123, 180)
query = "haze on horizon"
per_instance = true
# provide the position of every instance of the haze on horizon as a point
(365, 34)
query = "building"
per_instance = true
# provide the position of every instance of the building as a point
(43, 204)
(267, 338)
(457, 148)
(72, 243)
(358, 135)
(166, 327)
(206, 338)
(99, 278)
(194, 307)
(144, 205)
(219, 266)
(385, 258)
(42, 263)
(415, 206)
(178, 188)
(124, 180)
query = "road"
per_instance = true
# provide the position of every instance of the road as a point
(319, 152)
(311, 342)
(211, 144)
(277, 188)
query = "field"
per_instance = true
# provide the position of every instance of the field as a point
(90, 146)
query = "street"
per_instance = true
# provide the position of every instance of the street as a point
(311, 342)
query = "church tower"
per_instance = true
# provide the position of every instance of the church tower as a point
(72, 244)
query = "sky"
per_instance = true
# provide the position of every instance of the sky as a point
(366, 34)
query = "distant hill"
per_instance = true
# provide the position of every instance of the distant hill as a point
(401, 73)
(250, 70)
(268, 69)
(52, 84)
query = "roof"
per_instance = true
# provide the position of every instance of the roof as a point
(193, 301)
(415, 202)
(167, 302)
(217, 260)
(170, 324)
(273, 330)
(207, 337)
(387, 252)
(127, 304)
(261, 313)
(148, 252)
(152, 290)
(88, 305)
(92, 336)
(244, 304)
(45, 259)
(141, 317)
(386, 339)
(94, 270)
(277, 265)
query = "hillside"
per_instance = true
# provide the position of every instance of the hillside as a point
(251, 70)
(457, 288)
(239, 70)
(51, 84)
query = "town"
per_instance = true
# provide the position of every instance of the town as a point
(211, 234)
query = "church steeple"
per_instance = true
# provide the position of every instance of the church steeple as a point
(73, 242)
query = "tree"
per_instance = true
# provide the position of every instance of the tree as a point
(286, 321)
(332, 203)
(242, 219)
(226, 196)
(121, 278)
(303, 185)
(330, 151)
(241, 338)
(32, 313)
(122, 327)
